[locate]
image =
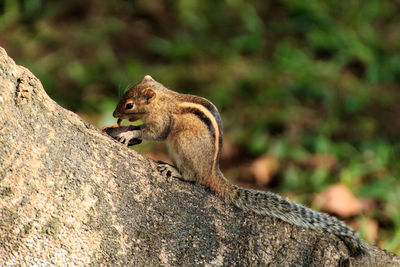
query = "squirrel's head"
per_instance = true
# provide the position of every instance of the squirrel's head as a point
(138, 100)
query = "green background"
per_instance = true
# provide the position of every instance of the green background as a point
(291, 78)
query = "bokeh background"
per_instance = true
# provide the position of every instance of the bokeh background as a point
(309, 91)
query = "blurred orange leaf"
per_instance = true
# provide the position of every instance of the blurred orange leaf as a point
(263, 168)
(338, 199)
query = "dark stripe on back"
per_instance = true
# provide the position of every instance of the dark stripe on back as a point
(202, 117)
(208, 105)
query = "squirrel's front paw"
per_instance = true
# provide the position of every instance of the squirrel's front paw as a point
(124, 134)
(128, 138)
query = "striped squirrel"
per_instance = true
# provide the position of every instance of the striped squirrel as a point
(192, 129)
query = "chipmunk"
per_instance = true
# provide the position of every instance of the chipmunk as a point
(192, 129)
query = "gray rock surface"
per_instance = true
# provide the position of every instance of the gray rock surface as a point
(71, 195)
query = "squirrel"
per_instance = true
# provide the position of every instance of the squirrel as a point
(192, 129)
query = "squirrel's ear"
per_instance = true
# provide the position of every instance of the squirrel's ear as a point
(149, 94)
(148, 78)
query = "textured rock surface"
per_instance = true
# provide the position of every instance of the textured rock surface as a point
(71, 195)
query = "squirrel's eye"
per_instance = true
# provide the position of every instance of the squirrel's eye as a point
(129, 106)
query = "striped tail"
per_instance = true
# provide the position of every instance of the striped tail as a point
(273, 205)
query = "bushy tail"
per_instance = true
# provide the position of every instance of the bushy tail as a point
(270, 204)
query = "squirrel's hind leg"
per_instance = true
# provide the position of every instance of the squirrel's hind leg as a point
(168, 171)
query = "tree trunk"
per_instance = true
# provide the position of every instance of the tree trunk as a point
(71, 195)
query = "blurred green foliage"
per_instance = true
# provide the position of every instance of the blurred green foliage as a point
(292, 78)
